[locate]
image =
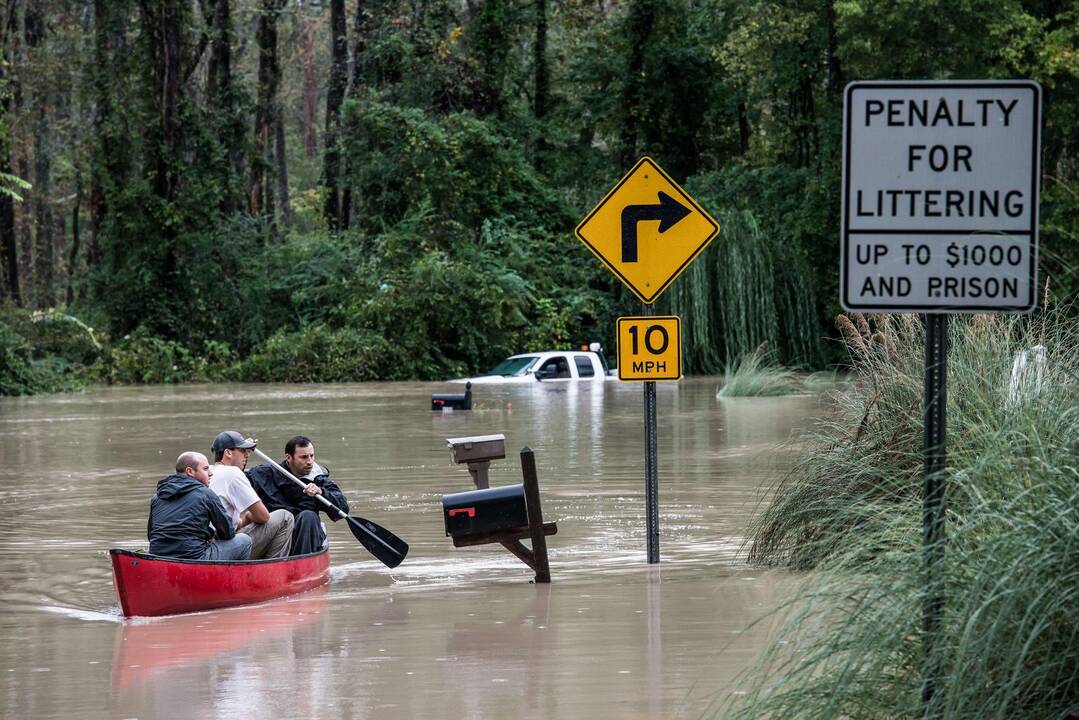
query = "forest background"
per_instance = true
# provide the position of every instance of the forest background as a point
(304, 190)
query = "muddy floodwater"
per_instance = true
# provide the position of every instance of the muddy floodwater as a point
(451, 633)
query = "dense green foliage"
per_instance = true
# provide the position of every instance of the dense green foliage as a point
(20, 373)
(851, 508)
(179, 200)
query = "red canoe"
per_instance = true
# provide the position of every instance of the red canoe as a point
(151, 585)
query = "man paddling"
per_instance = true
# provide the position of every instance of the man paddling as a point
(278, 491)
(187, 519)
(271, 532)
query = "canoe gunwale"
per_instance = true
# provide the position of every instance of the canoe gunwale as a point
(191, 561)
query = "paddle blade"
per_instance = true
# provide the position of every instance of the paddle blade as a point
(379, 541)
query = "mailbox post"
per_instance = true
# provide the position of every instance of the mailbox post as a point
(478, 452)
(504, 515)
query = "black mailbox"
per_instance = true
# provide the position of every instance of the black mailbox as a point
(452, 401)
(480, 511)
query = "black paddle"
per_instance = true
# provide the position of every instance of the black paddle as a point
(379, 541)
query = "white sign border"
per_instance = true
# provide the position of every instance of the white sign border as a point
(845, 234)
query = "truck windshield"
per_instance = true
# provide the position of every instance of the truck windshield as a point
(513, 366)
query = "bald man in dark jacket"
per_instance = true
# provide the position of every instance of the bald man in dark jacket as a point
(183, 512)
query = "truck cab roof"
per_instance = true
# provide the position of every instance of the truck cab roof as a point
(545, 366)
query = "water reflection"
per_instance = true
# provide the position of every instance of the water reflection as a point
(147, 648)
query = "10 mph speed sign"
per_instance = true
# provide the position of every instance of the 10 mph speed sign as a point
(649, 348)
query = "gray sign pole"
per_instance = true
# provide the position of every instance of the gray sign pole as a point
(651, 465)
(935, 406)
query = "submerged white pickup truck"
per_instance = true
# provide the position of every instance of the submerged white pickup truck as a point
(549, 365)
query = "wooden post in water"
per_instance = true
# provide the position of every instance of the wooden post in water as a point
(535, 516)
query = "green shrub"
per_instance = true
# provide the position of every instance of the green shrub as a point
(57, 335)
(21, 374)
(309, 278)
(460, 302)
(319, 354)
(209, 282)
(141, 357)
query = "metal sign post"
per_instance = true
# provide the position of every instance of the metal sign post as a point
(940, 215)
(935, 404)
(646, 231)
(651, 466)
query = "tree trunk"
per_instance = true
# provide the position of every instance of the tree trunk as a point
(44, 259)
(642, 16)
(101, 114)
(541, 80)
(282, 169)
(9, 271)
(360, 30)
(163, 23)
(334, 97)
(219, 68)
(231, 124)
(170, 94)
(802, 113)
(41, 248)
(490, 42)
(743, 127)
(76, 240)
(21, 155)
(310, 91)
(23, 222)
(265, 114)
(835, 70)
(9, 288)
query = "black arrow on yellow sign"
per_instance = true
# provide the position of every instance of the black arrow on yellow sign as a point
(669, 211)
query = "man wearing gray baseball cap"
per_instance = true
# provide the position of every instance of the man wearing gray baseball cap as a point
(270, 532)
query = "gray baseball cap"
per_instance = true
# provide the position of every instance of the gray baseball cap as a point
(231, 439)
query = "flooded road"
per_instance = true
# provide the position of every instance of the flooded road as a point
(451, 633)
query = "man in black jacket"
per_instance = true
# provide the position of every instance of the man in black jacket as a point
(183, 511)
(277, 491)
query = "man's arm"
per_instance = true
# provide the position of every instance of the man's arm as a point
(256, 513)
(332, 493)
(244, 495)
(220, 519)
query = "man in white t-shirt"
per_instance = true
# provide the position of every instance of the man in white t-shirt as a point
(270, 532)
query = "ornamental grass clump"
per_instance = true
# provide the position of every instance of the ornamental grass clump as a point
(1008, 645)
(753, 376)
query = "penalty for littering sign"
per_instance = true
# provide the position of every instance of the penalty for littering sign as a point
(940, 196)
